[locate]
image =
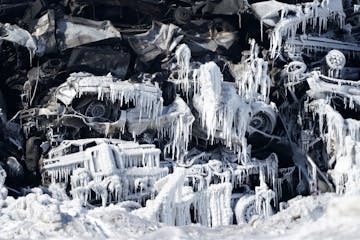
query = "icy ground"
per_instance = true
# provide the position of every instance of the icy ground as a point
(39, 216)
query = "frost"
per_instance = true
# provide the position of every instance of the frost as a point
(223, 113)
(315, 14)
(176, 123)
(342, 137)
(253, 82)
(174, 202)
(112, 169)
(183, 56)
(3, 189)
(144, 95)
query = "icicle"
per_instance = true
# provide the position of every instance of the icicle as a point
(253, 82)
(314, 13)
(145, 95)
(264, 196)
(183, 56)
(342, 139)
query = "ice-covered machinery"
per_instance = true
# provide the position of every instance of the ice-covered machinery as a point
(113, 169)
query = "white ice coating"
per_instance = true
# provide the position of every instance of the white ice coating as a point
(296, 73)
(17, 35)
(145, 95)
(269, 167)
(316, 14)
(336, 62)
(223, 113)
(264, 196)
(3, 189)
(174, 203)
(323, 87)
(183, 56)
(176, 123)
(113, 169)
(342, 137)
(253, 82)
(208, 81)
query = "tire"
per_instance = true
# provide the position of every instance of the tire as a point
(245, 209)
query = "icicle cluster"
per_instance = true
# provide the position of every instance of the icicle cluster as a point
(113, 170)
(145, 95)
(210, 204)
(342, 137)
(264, 196)
(315, 13)
(223, 113)
(208, 81)
(253, 82)
(183, 56)
(178, 129)
(269, 167)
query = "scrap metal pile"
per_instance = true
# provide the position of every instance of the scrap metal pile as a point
(212, 112)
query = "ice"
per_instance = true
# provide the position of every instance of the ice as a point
(342, 137)
(174, 202)
(264, 197)
(223, 113)
(315, 14)
(3, 189)
(176, 123)
(323, 87)
(208, 80)
(146, 96)
(253, 82)
(114, 170)
(183, 56)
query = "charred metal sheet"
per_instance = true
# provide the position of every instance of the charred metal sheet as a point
(73, 31)
(100, 61)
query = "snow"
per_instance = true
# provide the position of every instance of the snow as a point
(324, 217)
(40, 216)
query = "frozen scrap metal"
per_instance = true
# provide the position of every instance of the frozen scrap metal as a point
(100, 61)
(342, 139)
(113, 169)
(146, 95)
(17, 35)
(61, 33)
(73, 31)
(160, 39)
(87, 98)
(293, 16)
(208, 127)
(200, 187)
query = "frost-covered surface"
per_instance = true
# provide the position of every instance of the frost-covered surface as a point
(38, 216)
(187, 136)
(323, 217)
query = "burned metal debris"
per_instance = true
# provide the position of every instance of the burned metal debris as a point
(209, 112)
